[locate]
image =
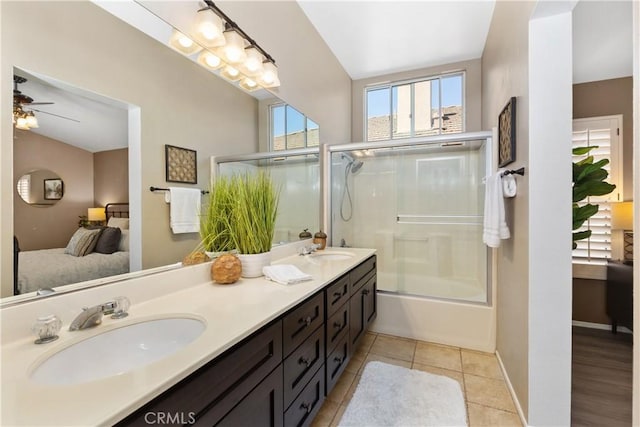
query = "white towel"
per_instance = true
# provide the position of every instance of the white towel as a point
(285, 274)
(185, 209)
(495, 226)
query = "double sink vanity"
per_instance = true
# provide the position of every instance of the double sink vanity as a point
(192, 352)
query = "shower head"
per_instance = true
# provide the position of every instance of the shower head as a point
(354, 164)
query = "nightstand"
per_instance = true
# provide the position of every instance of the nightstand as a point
(620, 294)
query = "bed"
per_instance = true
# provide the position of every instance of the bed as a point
(48, 268)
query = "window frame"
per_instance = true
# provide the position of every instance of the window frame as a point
(306, 120)
(391, 84)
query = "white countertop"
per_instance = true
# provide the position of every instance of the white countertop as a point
(231, 313)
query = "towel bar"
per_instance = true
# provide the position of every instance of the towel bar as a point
(152, 188)
(514, 172)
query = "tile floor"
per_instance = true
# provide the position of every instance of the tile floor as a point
(486, 395)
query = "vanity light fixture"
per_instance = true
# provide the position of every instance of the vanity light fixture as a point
(224, 46)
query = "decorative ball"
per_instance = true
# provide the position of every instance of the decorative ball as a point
(226, 269)
(195, 258)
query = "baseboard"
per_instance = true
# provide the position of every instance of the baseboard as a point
(523, 419)
(601, 326)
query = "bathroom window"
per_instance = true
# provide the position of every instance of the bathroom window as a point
(423, 107)
(291, 129)
(605, 133)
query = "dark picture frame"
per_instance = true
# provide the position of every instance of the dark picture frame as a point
(507, 134)
(181, 164)
(53, 189)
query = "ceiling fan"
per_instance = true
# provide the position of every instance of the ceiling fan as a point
(23, 116)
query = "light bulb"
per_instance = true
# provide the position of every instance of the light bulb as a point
(22, 124)
(210, 60)
(32, 121)
(249, 84)
(209, 29)
(233, 50)
(269, 77)
(231, 73)
(183, 44)
(252, 66)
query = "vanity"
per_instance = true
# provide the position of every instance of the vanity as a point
(268, 353)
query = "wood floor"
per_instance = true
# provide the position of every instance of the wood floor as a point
(601, 378)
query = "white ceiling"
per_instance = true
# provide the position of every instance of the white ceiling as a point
(602, 40)
(372, 38)
(76, 117)
(369, 38)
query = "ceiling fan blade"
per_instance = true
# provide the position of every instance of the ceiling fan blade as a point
(39, 103)
(57, 115)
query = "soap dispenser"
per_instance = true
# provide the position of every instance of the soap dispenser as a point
(320, 238)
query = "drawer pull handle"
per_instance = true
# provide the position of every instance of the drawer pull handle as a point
(337, 294)
(365, 292)
(304, 361)
(306, 406)
(306, 321)
(337, 325)
(338, 359)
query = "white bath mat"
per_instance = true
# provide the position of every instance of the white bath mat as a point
(390, 395)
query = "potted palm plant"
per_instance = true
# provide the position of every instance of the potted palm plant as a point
(588, 180)
(252, 218)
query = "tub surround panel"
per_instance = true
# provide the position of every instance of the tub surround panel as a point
(231, 312)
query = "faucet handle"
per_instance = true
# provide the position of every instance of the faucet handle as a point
(121, 306)
(47, 328)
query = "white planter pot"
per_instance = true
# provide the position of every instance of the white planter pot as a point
(252, 263)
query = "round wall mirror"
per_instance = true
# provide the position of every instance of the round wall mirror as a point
(40, 187)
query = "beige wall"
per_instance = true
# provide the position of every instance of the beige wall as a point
(111, 176)
(505, 74)
(606, 98)
(472, 95)
(181, 104)
(51, 226)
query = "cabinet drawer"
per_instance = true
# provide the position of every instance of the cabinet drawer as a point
(337, 294)
(301, 322)
(304, 409)
(337, 327)
(223, 382)
(300, 366)
(336, 362)
(360, 274)
(261, 407)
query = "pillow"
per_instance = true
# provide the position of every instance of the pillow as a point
(124, 241)
(121, 223)
(82, 242)
(108, 241)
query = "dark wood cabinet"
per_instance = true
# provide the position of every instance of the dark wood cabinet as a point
(620, 294)
(280, 375)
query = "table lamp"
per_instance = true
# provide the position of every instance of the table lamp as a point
(96, 215)
(622, 219)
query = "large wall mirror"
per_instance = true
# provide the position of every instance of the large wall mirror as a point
(145, 103)
(40, 187)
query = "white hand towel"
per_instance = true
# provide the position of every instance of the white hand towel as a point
(495, 226)
(285, 274)
(185, 209)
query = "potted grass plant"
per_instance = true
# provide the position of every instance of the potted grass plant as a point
(252, 218)
(214, 223)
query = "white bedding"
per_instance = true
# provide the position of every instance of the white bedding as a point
(48, 268)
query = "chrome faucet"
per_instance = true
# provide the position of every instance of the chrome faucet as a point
(306, 250)
(92, 316)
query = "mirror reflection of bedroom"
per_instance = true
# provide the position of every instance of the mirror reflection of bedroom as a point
(71, 184)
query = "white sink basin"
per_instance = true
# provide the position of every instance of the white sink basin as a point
(331, 256)
(117, 351)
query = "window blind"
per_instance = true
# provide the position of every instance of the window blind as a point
(600, 133)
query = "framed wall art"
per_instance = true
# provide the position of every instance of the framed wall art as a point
(53, 189)
(507, 134)
(181, 164)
